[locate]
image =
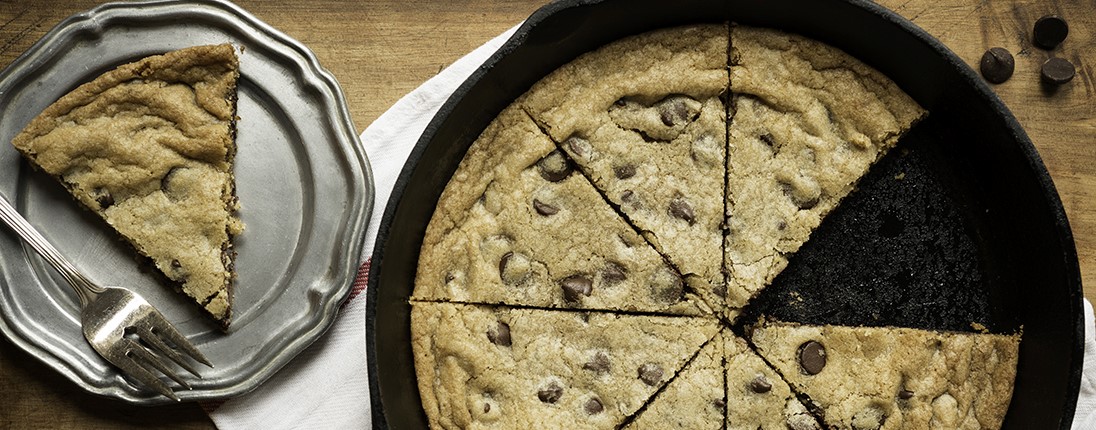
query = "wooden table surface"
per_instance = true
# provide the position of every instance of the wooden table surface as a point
(380, 50)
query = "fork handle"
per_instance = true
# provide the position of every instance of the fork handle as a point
(85, 289)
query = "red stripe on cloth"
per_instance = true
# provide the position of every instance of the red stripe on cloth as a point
(360, 281)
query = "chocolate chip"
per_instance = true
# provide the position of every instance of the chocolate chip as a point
(673, 111)
(575, 287)
(599, 364)
(1049, 31)
(500, 335)
(550, 393)
(768, 139)
(544, 208)
(594, 406)
(997, 65)
(681, 209)
(514, 268)
(625, 171)
(554, 167)
(667, 286)
(720, 290)
(104, 198)
(905, 394)
(812, 357)
(175, 264)
(761, 385)
(1057, 71)
(486, 408)
(650, 374)
(613, 273)
(720, 404)
(579, 147)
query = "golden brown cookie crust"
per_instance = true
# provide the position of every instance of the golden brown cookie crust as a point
(149, 146)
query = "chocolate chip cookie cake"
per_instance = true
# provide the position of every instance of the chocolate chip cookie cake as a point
(149, 147)
(589, 261)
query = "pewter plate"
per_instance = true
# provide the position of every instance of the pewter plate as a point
(302, 177)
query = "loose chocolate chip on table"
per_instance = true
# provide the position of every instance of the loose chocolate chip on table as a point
(551, 393)
(625, 172)
(575, 287)
(650, 374)
(681, 209)
(812, 357)
(905, 394)
(997, 65)
(1049, 31)
(598, 364)
(594, 406)
(500, 335)
(544, 208)
(1057, 71)
(761, 385)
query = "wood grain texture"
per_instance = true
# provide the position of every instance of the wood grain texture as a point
(381, 50)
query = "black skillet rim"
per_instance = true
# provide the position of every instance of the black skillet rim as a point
(886, 17)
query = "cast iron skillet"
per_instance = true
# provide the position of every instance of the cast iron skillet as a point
(961, 225)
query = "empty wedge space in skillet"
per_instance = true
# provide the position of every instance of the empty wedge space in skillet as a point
(644, 120)
(533, 368)
(808, 121)
(895, 378)
(517, 225)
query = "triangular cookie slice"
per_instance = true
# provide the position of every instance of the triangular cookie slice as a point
(149, 147)
(499, 367)
(517, 225)
(757, 397)
(895, 378)
(643, 119)
(695, 399)
(809, 120)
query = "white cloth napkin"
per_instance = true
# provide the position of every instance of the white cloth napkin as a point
(327, 386)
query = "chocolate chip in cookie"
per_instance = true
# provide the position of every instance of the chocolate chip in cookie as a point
(500, 335)
(594, 406)
(681, 209)
(812, 357)
(677, 110)
(580, 148)
(514, 268)
(905, 394)
(624, 172)
(761, 385)
(598, 364)
(650, 374)
(576, 287)
(614, 273)
(551, 393)
(544, 209)
(554, 167)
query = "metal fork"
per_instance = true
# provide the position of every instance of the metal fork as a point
(119, 324)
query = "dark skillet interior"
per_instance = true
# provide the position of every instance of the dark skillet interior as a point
(959, 225)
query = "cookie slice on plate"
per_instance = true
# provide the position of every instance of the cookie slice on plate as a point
(809, 120)
(149, 147)
(643, 119)
(892, 378)
(499, 367)
(517, 225)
